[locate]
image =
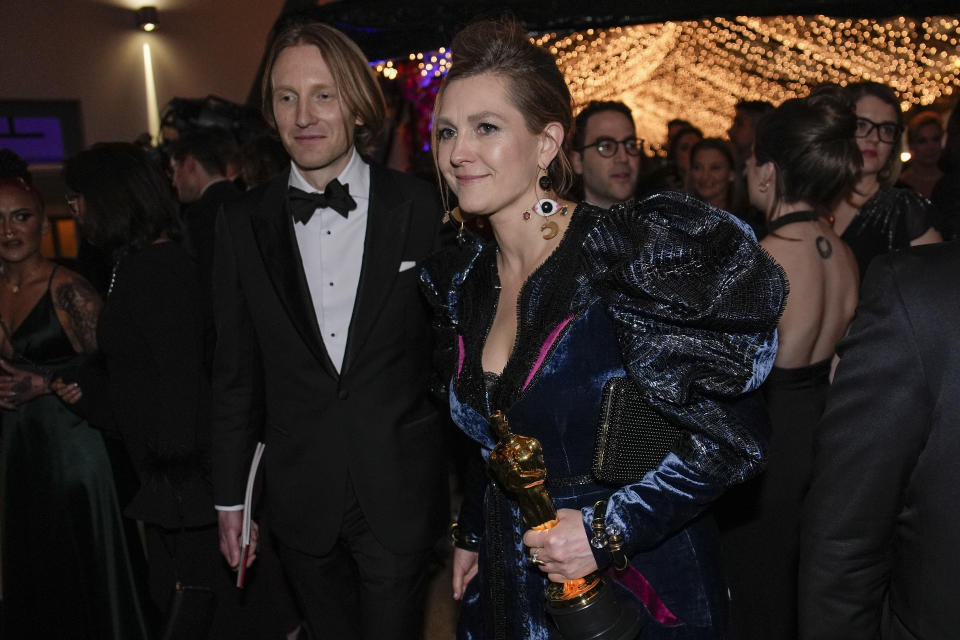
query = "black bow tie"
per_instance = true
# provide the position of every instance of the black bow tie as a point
(336, 196)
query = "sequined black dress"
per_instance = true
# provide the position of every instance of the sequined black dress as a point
(678, 296)
(890, 219)
(66, 568)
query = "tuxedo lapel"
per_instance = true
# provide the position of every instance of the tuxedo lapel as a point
(273, 229)
(388, 221)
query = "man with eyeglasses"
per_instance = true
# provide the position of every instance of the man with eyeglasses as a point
(605, 153)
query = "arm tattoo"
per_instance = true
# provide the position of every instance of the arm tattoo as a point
(80, 301)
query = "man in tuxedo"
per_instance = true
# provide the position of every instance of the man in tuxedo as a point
(318, 313)
(881, 529)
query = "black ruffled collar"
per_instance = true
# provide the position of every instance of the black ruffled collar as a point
(546, 299)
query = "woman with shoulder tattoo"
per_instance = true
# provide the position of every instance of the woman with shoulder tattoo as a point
(66, 568)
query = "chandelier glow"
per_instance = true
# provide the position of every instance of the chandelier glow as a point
(698, 70)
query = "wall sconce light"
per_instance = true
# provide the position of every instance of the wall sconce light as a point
(147, 18)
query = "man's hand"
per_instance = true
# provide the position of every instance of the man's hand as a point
(231, 527)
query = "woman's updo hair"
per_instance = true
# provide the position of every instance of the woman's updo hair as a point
(14, 173)
(533, 82)
(810, 141)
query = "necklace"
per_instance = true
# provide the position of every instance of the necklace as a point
(119, 256)
(14, 287)
(113, 277)
(28, 275)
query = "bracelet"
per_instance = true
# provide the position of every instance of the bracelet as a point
(459, 538)
(608, 537)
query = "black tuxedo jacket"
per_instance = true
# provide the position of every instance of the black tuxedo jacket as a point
(374, 422)
(881, 538)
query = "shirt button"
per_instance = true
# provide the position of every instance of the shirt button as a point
(331, 284)
(328, 231)
(333, 335)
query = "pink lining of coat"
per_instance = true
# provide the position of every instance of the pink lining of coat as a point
(545, 349)
(634, 580)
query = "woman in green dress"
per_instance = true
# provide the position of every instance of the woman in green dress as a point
(66, 567)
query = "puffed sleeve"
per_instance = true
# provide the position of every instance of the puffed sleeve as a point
(441, 281)
(915, 214)
(696, 302)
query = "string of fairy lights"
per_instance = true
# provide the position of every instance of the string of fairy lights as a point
(698, 70)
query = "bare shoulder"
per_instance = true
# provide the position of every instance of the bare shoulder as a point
(789, 249)
(813, 257)
(69, 287)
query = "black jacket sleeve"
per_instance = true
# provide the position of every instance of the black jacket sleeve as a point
(237, 386)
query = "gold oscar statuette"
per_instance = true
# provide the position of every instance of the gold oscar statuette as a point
(583, 608)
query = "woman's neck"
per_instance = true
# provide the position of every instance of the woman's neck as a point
(785, 208)
(17, 274)
(522, 243)
(867, 185)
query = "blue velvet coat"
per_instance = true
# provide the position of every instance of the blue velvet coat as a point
(669, 291)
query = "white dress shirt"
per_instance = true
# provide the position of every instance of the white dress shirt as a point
(331, 248)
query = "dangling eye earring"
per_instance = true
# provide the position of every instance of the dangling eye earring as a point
(546, 207)
(456, 215)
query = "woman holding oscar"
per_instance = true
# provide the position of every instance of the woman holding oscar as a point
(668, 305)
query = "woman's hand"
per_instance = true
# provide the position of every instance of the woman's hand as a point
(69, 393)
(563, 552)
(464, 569)
(20, 385)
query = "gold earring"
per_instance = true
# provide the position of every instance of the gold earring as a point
(456, 215)
(762, 188)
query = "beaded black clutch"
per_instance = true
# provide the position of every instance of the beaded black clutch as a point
(632, 438)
